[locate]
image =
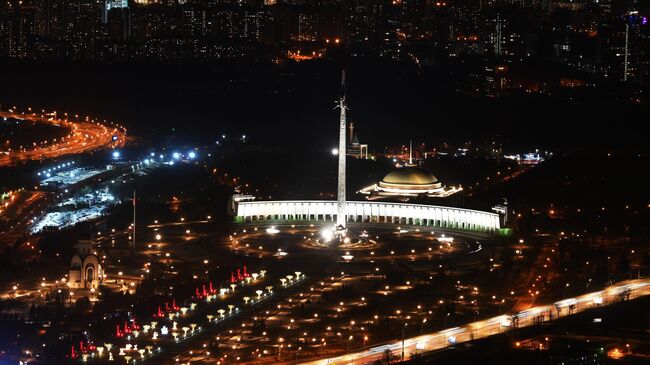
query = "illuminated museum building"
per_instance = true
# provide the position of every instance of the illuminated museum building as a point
(409, 181)
(370, 212)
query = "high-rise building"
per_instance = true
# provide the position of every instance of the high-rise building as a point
(634, 52)
(118, 19)
(113, 4)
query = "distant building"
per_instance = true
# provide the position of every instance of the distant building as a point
(635, 50)
(113, 4)
(117, 16)
(355, 148)
(86, 271)
(530, 158)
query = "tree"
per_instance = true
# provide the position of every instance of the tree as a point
(82, 305)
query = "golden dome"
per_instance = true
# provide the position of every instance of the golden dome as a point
(410, 180)
(409, 176)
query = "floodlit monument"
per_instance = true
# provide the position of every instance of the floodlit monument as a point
(341, 200)
(369, 212)
(406, 181)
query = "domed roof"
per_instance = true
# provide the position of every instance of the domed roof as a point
(409, 176)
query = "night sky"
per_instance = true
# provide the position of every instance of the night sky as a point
(389, 103)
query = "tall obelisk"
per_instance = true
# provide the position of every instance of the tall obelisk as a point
(340, 203)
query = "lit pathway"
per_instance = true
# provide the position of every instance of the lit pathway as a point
(481, 329)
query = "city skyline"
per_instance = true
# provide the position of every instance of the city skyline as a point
(602, 39)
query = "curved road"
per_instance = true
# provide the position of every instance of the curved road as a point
(86, 136)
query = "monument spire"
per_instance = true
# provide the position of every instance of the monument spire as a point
(340, 204)
(411, 152)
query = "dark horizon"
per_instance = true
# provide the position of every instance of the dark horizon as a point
(294, 103)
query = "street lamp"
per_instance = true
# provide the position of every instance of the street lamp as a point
(365, 339)
(403, 328)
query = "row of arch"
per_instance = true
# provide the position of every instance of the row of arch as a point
(371, 212)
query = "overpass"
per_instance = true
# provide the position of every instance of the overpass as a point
(401, 349)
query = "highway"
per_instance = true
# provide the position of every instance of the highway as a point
(85, 136)
(17, 217)
(484, 328)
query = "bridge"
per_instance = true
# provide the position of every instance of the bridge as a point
(401, 349)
